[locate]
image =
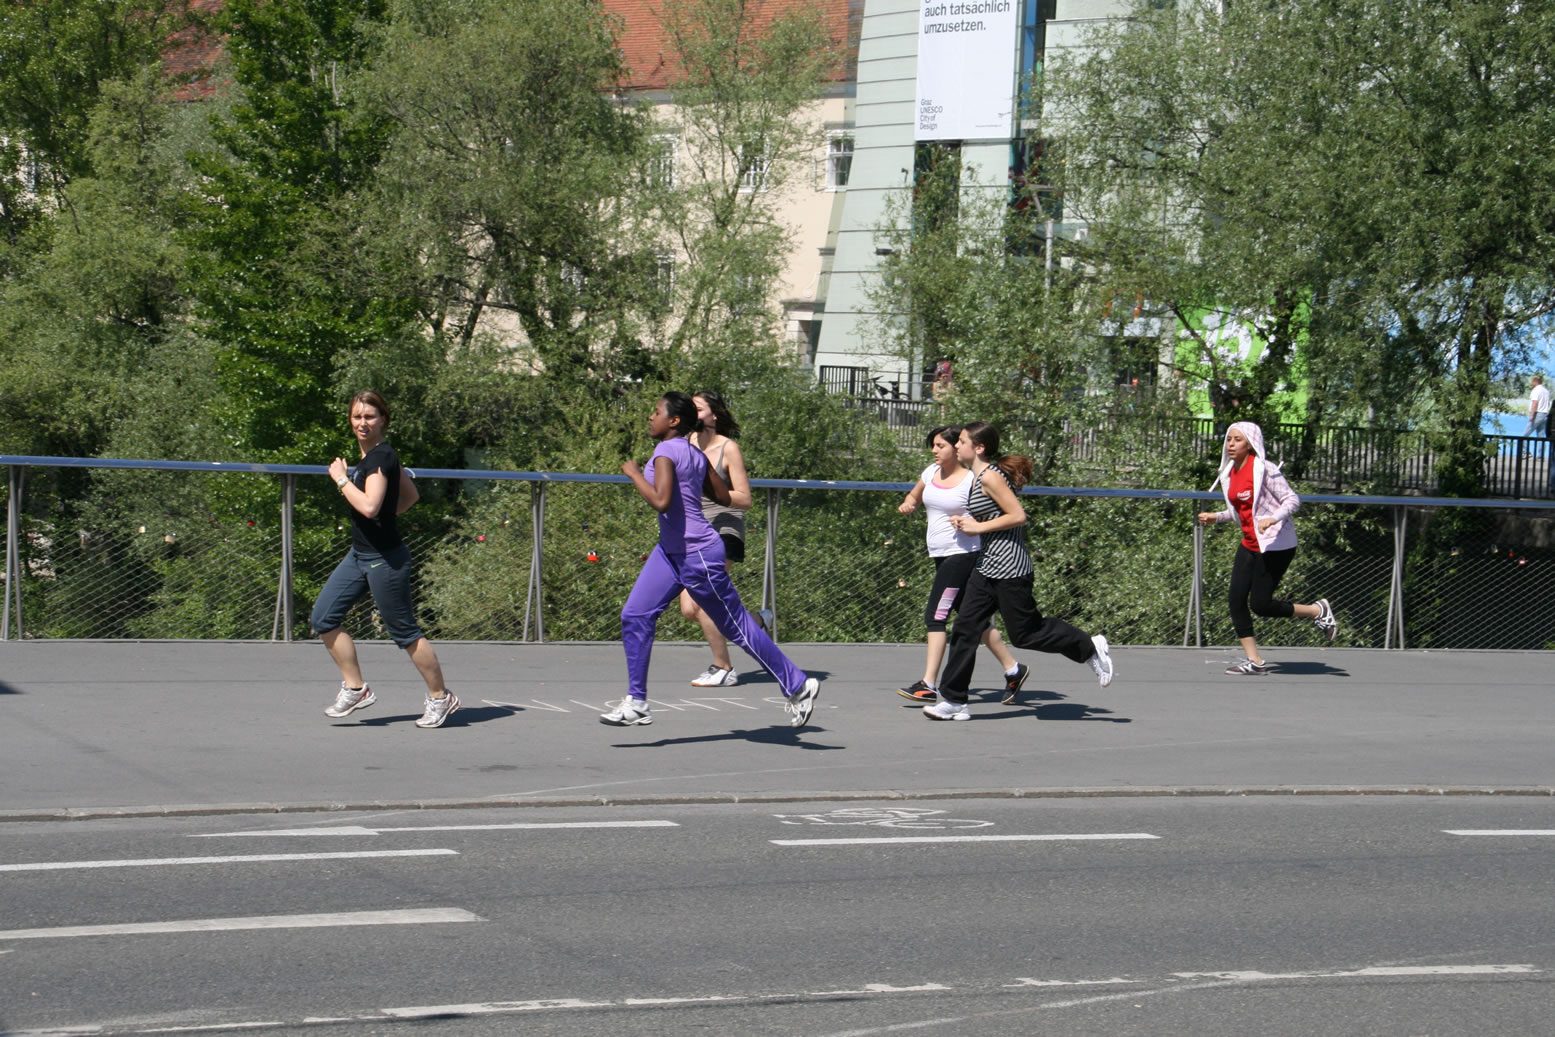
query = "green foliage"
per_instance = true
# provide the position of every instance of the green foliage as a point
(1375, 198)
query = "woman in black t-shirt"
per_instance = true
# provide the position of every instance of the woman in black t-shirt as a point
(377, 491)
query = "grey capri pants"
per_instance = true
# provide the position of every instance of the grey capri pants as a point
(387, 576)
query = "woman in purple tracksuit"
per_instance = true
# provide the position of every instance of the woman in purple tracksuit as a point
(1262, 502)
(690, 556)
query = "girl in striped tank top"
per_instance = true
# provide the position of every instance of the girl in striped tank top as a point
(1003, 579)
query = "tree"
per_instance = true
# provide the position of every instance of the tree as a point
(498, 205)
(744, 81)
(1372, 201)
(271, 237)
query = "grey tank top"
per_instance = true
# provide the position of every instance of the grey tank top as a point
(725, 521)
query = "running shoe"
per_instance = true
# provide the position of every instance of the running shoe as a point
(716, 677)
(438, 710)
(630, 713)
(1248, 668)
(944, 709)
(919, 691)
(802, 702)
(350, 699)
(1101, 662)
(1325, 622)
(1013, 682)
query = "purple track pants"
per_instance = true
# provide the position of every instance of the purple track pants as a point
(703, 575)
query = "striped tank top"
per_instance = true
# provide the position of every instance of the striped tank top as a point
(1004, 552)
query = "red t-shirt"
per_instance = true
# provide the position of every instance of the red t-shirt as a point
(1240, 484)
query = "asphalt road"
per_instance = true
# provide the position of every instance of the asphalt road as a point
(1208, 916)
(1359, 843)
(91, 727)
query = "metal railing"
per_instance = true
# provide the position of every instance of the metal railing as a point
(538, 556)
(1389, 460)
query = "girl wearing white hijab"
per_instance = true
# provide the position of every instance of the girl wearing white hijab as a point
(1262, 502)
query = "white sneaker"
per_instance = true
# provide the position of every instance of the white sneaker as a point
(1325, 622)
(802, 702)
(630, 713)
(716, 677)
(944, 709)
(1101, 662)
(438, 710)
(349, 700)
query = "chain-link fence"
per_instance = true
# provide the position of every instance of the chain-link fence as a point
(242, 553)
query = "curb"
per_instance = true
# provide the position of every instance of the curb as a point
(511, 802)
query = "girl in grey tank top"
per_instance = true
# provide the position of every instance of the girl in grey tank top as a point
(715, 437)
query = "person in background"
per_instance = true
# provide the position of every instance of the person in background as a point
(715, 437)
(944, 489)
(1260, 500)
(690, 555)
(1003, 579)
(377, 492)
(1538, 408)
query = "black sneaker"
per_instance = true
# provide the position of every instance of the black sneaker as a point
(919, 692)
(1248, 668)
(1012, 684)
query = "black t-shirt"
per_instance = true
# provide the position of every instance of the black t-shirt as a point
(378, 535)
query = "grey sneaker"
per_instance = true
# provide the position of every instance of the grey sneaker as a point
(1101, 662)
(438, 710)
(630, 713)
(802, 702)
(349, 700)
(1247, 668)
(944, 709)
(716, 677)
(1325, 622)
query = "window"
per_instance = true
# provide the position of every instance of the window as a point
(664, 278)
(663, 160)
(839, 160)
(754, 164)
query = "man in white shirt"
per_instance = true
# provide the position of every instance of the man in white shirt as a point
(1538, 408)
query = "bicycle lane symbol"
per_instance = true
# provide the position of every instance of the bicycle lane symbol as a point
(884, 817)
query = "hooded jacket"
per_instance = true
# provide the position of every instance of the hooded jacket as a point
(1272, 495)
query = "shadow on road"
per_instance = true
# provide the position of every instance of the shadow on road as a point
(6, 689)
(763, 735)
(1050, 705)
(464, 716)
(1309, 669)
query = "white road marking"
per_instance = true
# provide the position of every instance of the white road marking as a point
(1024, 982)
(360, 830)
(1085, 837)
(257, 858)
(415, 916)
(1207, 981)
(879, 988)
(336, 830)
(1499, 831)
(1378, 970)
(492, 1007)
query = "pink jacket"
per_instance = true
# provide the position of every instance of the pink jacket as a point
(1272, 495)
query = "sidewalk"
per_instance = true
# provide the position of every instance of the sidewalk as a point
(89, 728)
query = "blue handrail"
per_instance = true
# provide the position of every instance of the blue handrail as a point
(27, 460)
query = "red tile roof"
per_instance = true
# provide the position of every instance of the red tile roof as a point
(192, 54)
(650, 57)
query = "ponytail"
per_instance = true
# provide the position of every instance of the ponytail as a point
(1017, 468)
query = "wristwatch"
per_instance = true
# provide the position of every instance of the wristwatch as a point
(340, 483)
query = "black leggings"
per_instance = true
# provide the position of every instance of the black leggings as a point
(1026, 627)
(1254, 576)
(951, 573)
